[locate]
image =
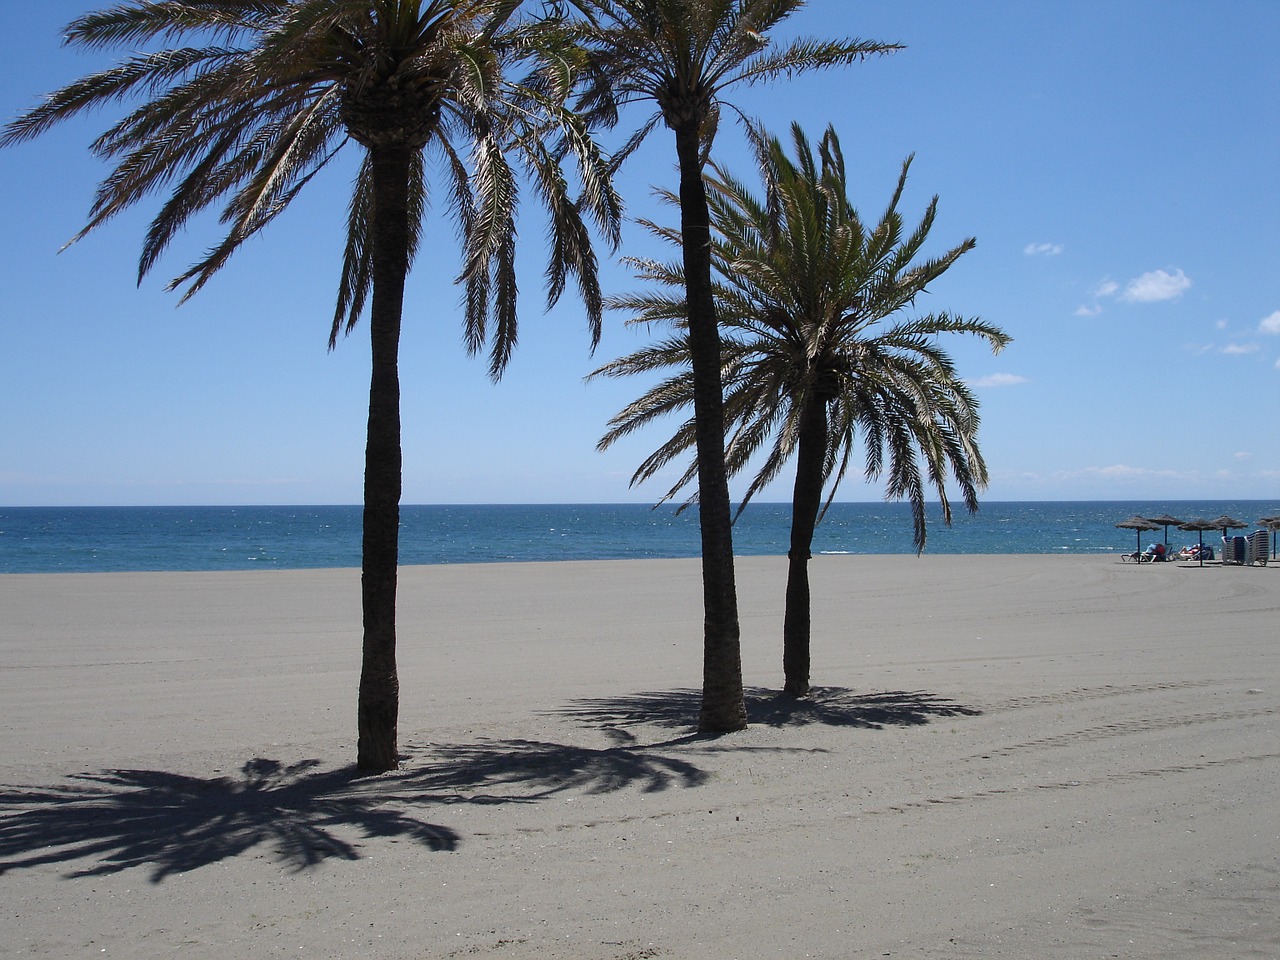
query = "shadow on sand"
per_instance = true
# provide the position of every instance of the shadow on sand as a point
(174, 823)
(171, 823)
(829, 706)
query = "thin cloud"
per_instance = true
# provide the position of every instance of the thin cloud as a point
(1042, 249)
(1107, 288)
(1156, 286)
(1270, 324)
(998, 380)
(1122, 470)
(1239, 349)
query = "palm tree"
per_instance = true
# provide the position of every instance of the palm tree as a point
(803, 288)
(683, 55)
(245, 101)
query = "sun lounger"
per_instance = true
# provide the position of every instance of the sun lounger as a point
(1234, 550)
(1259, 549)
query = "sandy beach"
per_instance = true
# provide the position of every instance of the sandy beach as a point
(1004, 756)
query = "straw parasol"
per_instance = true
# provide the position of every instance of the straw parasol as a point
(1139, 524)
(1200, 525)
(1165, 521)
(1272, 523)
(1226, 523)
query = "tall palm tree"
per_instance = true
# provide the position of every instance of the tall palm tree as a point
(243, 102)
(803, 289)
(683, 55)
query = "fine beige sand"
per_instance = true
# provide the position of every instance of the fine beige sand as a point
(1021, 757)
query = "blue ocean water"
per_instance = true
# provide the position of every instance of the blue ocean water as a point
(102, 539)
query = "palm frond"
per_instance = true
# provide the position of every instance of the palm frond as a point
(803, 55)
(803, 291)
(250, 112)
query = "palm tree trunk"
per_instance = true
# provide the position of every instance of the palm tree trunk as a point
(379, 704)
(806, 499)
(723, 708)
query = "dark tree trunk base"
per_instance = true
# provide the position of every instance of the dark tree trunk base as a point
(806, 500)
(796, 688)
(378, 723)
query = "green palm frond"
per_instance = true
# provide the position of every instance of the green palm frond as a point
(804, 55)
(811, 303)
(138, 23)
(239, 104)
(684, 55)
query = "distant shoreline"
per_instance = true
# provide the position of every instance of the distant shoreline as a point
(92, 539)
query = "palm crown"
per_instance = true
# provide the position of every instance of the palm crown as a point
(268, 92)
(802, 289)
(684, 54)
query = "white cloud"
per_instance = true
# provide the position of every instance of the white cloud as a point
(1042, 249)
(1243, 455)
(1119, 470)
(1270, 324)
(1239, 349)
(998, 380)
(1222, 324)
(1156, 286)
(1153, 286)
(1106, 288)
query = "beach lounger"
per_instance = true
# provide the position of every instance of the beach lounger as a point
(1259, 549)
(1234, 550)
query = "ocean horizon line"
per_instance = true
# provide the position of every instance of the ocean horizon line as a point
(612, 503)
(87, 539)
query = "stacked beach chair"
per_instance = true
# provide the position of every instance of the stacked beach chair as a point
(1259, 547)
(1255, 548)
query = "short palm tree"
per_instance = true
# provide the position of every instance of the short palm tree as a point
(683, 55)
(810, 368)
(243, 102)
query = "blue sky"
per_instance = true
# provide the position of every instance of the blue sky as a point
(1117, 163)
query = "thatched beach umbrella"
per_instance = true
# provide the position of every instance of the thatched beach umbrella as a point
(1165, 521)
(1140, 524)
(1227, 524)
(1272, 523)
(1200, 525)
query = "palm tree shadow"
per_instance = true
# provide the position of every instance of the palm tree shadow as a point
(841, 707)
(829, 706)
(173, 823)
(526, 771)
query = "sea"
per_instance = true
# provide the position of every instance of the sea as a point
(202, 538)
